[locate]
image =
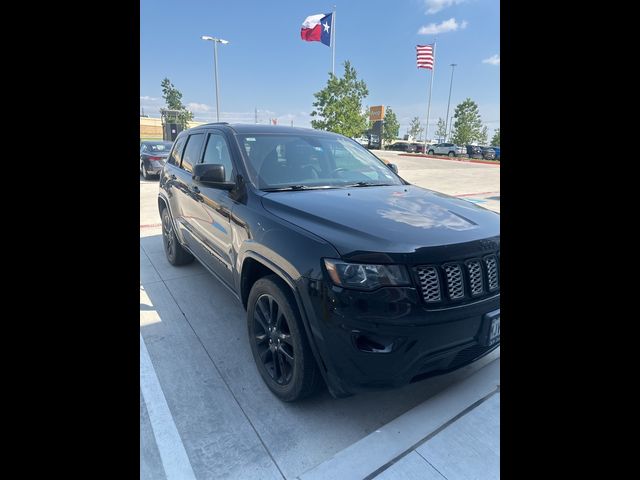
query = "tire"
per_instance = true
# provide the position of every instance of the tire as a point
(143, 168)
(175, 253)
(279, 345)
(431, 152)
(452, 154)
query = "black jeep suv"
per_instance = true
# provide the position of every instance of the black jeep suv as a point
(347, 272)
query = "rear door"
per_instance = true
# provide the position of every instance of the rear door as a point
(185, 199)
(169, 181)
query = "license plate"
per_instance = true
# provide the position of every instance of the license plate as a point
(494, 331)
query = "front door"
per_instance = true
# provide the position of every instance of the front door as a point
(213, 221)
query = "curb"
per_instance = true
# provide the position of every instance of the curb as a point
(370, 454)
(486, 162)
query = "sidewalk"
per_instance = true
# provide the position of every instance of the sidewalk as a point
(454, 435)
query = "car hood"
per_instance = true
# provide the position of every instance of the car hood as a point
(391, 219)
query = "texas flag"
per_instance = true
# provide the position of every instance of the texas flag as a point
(317, 28)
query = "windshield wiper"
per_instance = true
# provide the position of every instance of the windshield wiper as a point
(282, 189)
(369, 184)
(295, 187)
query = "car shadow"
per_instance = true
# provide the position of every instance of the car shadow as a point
(198, 342)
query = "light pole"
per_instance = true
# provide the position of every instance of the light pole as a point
(215, 41)
(453, 66)
(450, 127)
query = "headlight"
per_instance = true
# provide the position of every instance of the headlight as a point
(364, 276)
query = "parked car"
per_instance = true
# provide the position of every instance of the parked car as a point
(402, 147)
(488, 153)
(374, 141)
(364, 141)
(497, 150)
(419, 147)
(474, 151)
(447, 149)
(348, 274)
(152, 157)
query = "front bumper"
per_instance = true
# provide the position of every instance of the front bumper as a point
(387, 338)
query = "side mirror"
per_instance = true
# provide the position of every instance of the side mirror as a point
(393, 167)
(211, 175)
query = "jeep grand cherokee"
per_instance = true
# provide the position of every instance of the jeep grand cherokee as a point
(348, 273)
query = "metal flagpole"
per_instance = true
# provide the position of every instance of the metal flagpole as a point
(446, 120)
(333, 41)
(433, 71)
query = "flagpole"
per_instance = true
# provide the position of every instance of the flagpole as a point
(433, 70)
(333, 42)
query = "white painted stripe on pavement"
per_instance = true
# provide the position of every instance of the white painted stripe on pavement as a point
(172, 453)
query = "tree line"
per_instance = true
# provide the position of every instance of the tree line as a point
(339, 108)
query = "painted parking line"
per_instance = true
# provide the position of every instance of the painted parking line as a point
(476, 194)
(175, 460)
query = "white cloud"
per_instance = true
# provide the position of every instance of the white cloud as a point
(198, 107)
(450, 25)
(492, 60)
(148, 98)
(434, 6)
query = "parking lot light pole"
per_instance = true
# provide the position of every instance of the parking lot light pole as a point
(446, 121)
(215, 67)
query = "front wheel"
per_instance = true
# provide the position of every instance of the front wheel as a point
(278, 341)
(431, 152)
(452, 154)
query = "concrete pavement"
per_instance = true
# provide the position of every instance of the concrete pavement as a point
(229, 424)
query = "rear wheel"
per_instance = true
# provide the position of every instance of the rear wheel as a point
(143, 169)
(278, 341)
(176, 254)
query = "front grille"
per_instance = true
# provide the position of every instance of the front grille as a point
(475, 278)
(492, 272)
(458, 281)
(455, 286)
(430, 284)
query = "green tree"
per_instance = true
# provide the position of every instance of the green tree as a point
(391, 126)
(484, 136)
(495, 140)
(338, 106)
(173, 98)
(415, 128)
(441, 129)
(467, 126)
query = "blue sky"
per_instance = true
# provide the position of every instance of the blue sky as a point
(268, 66)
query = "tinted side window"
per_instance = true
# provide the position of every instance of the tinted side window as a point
(192, 151)
(217, 152)
(176, 154)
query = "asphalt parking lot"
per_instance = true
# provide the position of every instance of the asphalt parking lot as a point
(204, 410)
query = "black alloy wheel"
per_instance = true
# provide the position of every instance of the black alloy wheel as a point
(272, 336)
(278, 341)
(175, 253)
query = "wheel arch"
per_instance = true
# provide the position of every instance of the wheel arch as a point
(254, 267)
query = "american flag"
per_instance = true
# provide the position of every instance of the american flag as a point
(425, 56)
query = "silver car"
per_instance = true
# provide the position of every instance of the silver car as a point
(446, 149)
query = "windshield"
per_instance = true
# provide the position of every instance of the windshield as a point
(312, 161)
(159, 147)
